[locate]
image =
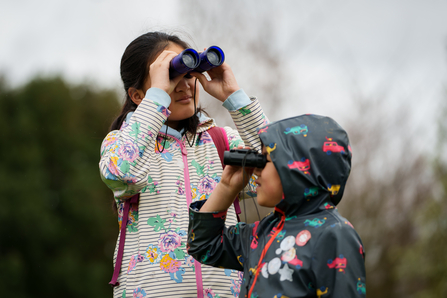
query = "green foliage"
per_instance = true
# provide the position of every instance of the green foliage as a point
(423, 267)
(57, 227)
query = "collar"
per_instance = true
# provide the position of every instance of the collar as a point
(173, 132)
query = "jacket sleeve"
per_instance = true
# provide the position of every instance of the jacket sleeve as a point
(211, 243)
(124, 163)
(247, 120)
(338, 263)
(248, 116)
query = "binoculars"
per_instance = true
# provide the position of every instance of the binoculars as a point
(189, 60)
(244, 157)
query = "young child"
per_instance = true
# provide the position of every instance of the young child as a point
(158, 158)
(305, 248)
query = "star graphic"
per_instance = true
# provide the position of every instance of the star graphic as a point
(286, 273)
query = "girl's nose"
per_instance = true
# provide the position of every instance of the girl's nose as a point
(182, 85)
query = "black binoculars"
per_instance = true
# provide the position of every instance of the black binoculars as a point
(244, 157)
(189, 60)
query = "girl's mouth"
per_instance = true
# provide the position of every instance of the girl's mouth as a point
(185, 99)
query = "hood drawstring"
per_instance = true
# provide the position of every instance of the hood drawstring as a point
(266, 247)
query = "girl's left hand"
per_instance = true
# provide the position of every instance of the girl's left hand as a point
(222, 83)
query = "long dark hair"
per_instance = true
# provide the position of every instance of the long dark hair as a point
(134, 69)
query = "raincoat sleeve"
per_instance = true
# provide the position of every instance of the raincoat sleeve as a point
(124, 165)
(338, 263)
(211, 243)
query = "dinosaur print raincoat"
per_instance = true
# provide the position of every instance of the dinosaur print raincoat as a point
(305, 248)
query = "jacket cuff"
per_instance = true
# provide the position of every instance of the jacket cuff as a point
(196, 214)
(237, 100)
(159, 96)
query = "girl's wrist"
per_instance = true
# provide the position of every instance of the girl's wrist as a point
(228, 93)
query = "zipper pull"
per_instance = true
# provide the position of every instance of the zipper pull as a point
(183, 148)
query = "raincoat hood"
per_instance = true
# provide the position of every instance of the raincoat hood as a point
(313, 158)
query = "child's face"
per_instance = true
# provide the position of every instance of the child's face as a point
(182, 98)
(269, 187)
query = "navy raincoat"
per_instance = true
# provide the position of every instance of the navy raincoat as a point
(305, 248)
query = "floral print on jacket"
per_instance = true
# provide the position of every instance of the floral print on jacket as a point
(167, 172)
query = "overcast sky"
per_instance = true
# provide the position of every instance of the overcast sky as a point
(336, 45)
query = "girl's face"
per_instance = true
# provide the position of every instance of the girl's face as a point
(269, 187)
(182, 98)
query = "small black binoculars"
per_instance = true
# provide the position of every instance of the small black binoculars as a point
(189, 60)
(244, 157)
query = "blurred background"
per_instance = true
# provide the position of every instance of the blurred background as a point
(379, 68)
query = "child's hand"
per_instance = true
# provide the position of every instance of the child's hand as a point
(159, 72)
(232, 182)
(234, 178)
(222, 84)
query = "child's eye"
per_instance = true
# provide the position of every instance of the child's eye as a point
(188, 76)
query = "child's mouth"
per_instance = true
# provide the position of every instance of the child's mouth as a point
(184, 99)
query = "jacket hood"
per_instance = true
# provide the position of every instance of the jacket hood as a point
(313, 158)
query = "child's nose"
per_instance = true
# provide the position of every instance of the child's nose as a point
(182, 85)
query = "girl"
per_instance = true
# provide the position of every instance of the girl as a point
(305, 248)
(159, 148)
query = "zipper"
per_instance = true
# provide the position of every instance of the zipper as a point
(267, 246)
(197, 265)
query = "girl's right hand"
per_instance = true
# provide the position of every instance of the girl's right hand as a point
(159, 72)
(222, 84)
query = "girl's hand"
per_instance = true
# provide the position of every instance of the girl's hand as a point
(222, 83)
(159, 72)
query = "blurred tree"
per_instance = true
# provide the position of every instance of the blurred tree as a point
(389, 184)
(424, 266)
(251, 48)
(395, 197)
(57, 227)
(253, 54)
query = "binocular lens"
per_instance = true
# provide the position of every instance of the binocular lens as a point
(189, 60)
(183, 63)
(213, 57)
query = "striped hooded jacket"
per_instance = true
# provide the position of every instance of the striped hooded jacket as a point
(168, 174)
(305, 248)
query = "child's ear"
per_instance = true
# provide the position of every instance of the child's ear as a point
(136, 95)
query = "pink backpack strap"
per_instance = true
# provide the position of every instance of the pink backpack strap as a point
(119, 257)
(220, 139)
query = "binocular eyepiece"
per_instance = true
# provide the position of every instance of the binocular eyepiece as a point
(189, 60)
(244, 157)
